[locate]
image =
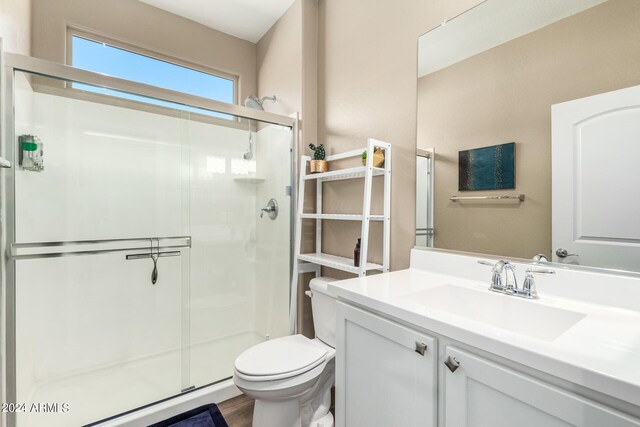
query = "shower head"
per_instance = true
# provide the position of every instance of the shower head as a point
(254, 102)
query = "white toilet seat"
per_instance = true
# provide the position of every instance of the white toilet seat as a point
(290, 387)
(275, 377)
(280, 358)
(301, 380)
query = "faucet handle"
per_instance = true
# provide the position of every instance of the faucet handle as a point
(496, 277)
(497, 266)
(529, 285)
(511, 283)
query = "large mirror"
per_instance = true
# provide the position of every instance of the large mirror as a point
(529, 116)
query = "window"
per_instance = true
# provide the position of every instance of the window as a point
(107, 59)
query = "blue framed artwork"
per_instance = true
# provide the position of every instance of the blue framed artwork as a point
(487, 168)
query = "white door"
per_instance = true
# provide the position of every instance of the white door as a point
(596, 173)
(385, 373)
(480, 393)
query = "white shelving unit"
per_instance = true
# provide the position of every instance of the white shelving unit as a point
(311, 262)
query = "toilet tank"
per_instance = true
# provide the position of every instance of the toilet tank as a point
(323, 306)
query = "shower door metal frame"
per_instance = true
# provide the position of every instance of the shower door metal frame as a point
(10, 64)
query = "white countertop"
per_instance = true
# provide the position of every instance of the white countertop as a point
(600, 352)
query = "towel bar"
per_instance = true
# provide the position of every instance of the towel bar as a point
(519, 197)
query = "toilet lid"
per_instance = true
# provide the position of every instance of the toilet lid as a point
(294, 354)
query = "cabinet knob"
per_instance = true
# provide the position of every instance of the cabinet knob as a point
(452, 363)
(421, 348)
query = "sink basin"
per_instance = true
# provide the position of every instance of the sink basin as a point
(503, 311)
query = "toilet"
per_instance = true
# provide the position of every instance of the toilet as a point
(291, 377)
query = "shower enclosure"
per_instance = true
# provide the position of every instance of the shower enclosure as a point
(138, 265)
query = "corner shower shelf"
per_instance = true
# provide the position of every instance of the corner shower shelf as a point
(249, 179)
(337, 262)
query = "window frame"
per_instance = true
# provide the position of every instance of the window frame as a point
(120, 44)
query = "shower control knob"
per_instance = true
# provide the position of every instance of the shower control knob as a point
(271, 209)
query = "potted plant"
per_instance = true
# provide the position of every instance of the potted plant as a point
(318, 164)
(378, 157)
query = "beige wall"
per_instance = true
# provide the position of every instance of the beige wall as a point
(15, 26)
(145, 26)
(287, 65)
(279, 62)
(504, 95)
(367, 88)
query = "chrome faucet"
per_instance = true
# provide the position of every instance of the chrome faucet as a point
(509, 285)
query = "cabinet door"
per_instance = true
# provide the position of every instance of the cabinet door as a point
(480, 393)
(381, 380)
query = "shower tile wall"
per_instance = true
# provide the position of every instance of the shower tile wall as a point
(92, 330)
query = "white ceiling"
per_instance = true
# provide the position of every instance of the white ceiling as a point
(245, 19)
(488, 25)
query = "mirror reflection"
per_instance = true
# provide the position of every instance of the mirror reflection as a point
(558, 79)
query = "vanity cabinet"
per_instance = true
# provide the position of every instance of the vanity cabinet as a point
(482, 393)
(385, 372)
(381, 380)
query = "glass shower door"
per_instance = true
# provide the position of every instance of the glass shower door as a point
(101, 248)
(142, 259)
(240, 271)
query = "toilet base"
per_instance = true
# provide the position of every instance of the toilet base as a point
(284, 414)
(326, 421)
(310, 409)
(276, 414)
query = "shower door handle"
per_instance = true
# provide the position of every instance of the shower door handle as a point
(19, 251)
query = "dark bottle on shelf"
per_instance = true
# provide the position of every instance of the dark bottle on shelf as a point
(356, 255)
